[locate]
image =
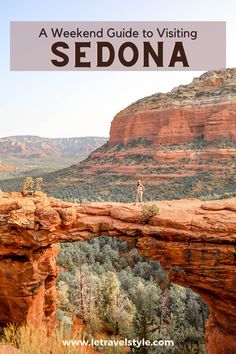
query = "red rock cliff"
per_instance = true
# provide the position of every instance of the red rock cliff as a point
(193, 240)
(205, 108)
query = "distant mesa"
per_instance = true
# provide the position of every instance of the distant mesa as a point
(41, 147)
(27, 155)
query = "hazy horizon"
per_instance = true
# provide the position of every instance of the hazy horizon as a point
(57, 137)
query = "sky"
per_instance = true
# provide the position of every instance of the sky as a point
(86, 102)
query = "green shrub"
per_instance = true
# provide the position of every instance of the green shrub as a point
(148, 211)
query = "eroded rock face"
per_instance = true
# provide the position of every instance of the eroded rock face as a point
(28, 290)
(193, 240)
(140, 147)
(199, 119)
(205, 108)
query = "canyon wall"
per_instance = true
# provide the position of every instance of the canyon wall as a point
(193, 240)
(205, 108)
(180, 144)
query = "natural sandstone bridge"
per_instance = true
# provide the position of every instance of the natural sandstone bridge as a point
(193, 240)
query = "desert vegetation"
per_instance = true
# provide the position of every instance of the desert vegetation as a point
(102, 177)
(31, 340)
(114, 291)
(104, 283)
(107, 291)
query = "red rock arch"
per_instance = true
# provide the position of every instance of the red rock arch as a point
(194, 242)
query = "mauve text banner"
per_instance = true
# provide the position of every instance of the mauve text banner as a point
(117, 46)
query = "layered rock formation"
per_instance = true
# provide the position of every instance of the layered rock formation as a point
(199, 119)
(205, 108)
(193, 240)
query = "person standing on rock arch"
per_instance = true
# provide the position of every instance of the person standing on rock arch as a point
(139, 192)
